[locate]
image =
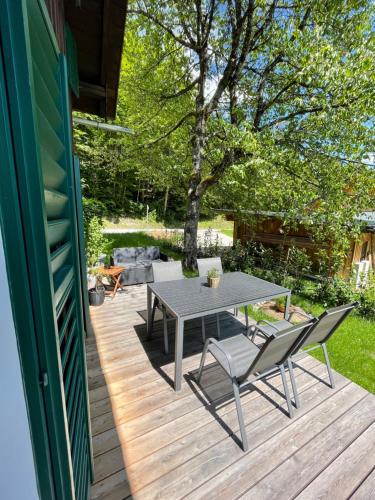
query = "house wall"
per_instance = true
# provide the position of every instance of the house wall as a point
(17, 471)
(354, 256)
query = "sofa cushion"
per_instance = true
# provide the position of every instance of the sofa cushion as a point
(152, 253)
(134, 254)
(122, 255)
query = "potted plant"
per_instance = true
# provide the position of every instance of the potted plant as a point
(107, 262)
(280, 304)
(97, 293)
(213, 278)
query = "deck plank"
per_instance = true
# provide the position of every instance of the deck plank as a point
(150, 442)
(350, 468)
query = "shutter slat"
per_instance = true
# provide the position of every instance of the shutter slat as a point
(68, 346)
(59, 257)
(62, 331)
(53, 174)
(49, 137)
(44, 67)
(56, 203)
(62, 281)
(57, 231)
(71, 368)
(45, 100)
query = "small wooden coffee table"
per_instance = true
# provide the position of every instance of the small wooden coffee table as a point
(114, 272)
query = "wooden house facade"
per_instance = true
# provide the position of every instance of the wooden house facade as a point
(268, 228)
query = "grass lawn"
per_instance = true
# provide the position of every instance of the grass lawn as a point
(227, 232)
(351, 348)
(218, 223)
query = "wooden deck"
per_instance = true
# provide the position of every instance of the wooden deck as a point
(150, 442)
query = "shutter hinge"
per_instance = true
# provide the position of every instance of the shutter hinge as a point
(44, 379)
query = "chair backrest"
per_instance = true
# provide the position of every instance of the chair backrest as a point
(279, 346)
(204, 265)
(167, 271)
(327, 324)
(134, 254)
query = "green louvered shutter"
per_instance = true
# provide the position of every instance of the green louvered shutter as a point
(53, 129)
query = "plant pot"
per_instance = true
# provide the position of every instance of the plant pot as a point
(213, 282)
(280, 307)
(96, 296)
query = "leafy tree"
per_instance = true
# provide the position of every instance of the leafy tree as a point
(282, 96)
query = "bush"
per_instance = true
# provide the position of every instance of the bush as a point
(95, 242)
(366, 299)
(334, 292)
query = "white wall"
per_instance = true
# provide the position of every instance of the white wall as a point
(17, 470)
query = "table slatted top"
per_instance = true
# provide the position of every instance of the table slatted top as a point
(189, 297)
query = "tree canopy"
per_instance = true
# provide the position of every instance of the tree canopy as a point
(245, 105)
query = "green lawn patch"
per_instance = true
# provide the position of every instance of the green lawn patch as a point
(227, 232)
(351, 348)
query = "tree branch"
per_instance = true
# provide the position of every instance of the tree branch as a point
(171, 130)
(183, 91)
(306, 111)
(166, 28)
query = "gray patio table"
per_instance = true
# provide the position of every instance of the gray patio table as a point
(191, 298)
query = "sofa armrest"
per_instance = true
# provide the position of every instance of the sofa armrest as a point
(164, 257)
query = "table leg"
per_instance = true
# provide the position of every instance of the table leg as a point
(149, 311)
(287, 304)
(179, 344)
(203, 331)
(247, 317)
(117, 284)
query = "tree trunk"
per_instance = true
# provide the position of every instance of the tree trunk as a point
(165, 201)
(191, 231)
(195, 192)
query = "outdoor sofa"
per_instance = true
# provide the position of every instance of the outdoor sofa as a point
(138, 263)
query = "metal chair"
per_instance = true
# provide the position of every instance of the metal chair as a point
(165, 271)
(324, 328)
(244, 362)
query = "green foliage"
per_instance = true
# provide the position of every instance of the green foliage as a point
(213, 273)
(93, 213)
(337, 291)
(95, 243)
(303, 127)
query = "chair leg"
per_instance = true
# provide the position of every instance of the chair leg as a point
(236, 391)
(203, 358)
(203, 330)
(165, 327)
(218, 324)
(294, 385)
(235, 312)
(286, 391)
(328, 364)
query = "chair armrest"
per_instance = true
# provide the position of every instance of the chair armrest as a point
(164, 257)
(226, 354)
(268, 323)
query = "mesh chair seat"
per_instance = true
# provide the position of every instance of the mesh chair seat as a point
(241, 350)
